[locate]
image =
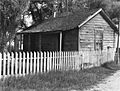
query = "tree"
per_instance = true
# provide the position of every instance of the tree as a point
(39, 10)
(111, 7)
(10, 13)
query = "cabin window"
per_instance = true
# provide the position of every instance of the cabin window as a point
(98, 40)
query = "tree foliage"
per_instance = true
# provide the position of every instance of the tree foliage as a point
(10, 11)
(13, 12)
(111, 7)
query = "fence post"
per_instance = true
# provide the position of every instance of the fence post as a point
(1, 65)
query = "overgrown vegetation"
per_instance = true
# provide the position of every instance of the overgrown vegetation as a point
(61, 80)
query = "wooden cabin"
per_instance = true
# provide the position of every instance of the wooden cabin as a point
(83, 30)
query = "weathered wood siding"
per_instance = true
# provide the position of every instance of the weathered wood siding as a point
(97, 29)
(70, 40)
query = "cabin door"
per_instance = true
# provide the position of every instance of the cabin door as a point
(98, 40)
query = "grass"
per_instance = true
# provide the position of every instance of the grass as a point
(60, 80)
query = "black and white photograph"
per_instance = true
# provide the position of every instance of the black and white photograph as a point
(59, 45)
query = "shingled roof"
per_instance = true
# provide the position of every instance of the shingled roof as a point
(67, 22)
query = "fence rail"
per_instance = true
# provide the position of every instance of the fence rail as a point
(23, 63)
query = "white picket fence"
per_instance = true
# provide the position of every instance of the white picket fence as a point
(23, 63)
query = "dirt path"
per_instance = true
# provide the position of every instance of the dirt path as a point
(111, 83)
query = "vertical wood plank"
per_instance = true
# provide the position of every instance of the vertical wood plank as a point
(48, 61)
(31, 62)
(61, 61)
(64, 58)
(76, 63)
(16, 63)
(41, 62)
(12, 66)
(34, 62)
(70, 60)
(38, 62)
(27, 63)
(20, 63)
(1, 59)
(50, 67)
(8, 66)
(4, 64)
(74, 60)
(24, 63)
(53, 61)
(57, 59)
(45, 61)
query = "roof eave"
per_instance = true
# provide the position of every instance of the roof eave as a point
(104, 15)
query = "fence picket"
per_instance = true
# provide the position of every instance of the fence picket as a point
(20, 63)
(16, 63)
(55, 61)
(8, 66)
(50, 67)
(1, 59)
(34, 62)
(44, 62)
(12, 66)
(61, 61)
(4, 64)
(70, 60)
(38, 62)
(74, 60)
(48, 61)
(31, 62)
(41, 62)
(64, 59)
(24, 63)
(27, 63)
